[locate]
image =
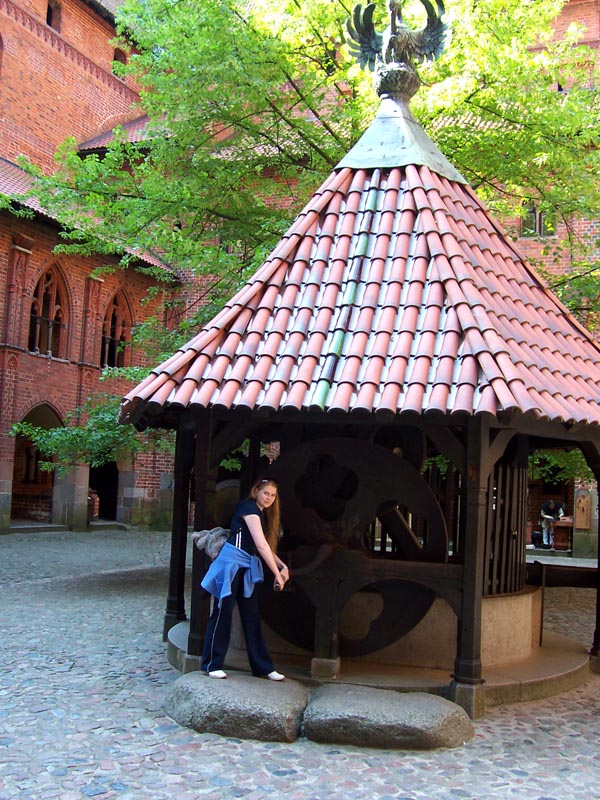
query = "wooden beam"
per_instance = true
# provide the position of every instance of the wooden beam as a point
(592, 456)
(449, 446)
(230, 436)
(204, 518)
(184, 459)
(467, 669)
(495, 450)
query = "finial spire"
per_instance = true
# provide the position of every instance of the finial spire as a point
(391, 54)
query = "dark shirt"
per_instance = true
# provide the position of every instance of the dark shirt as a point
(238, 526)
(548, 511)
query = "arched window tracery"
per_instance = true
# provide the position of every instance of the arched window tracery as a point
(116, 333)
(48, 318)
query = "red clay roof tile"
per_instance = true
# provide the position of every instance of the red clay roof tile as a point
(394, 291)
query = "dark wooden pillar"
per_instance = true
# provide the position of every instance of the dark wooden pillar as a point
(595, 648)
(467, 688)
(326, 660)
(204, 518)
(591, 452)
(184, 459)
(251, 466)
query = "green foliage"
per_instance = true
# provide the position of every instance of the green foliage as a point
(559, 466)
(502, 76)
(251, 105)
(579, 290)
(554, 466)
(437, 462)
(91, 436)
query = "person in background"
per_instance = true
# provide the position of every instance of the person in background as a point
(550, 512)
(232, 578)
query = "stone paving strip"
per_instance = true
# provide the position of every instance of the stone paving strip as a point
(83, 677)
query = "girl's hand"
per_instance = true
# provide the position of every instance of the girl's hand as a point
(278, 583)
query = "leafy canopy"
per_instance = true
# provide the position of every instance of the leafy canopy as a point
(90, 436)
(251, 104)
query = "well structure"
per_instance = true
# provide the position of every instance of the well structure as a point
(406, 359)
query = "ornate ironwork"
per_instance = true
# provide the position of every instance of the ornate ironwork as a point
(391, 55)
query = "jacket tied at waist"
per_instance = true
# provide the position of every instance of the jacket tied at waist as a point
(222, 571)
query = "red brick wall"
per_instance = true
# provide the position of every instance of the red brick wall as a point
(56, 84)
(74, 272)
(28, 380)
(533, 249)
(586, 13)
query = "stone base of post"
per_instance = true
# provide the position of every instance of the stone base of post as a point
(470, 696)
(325, 667)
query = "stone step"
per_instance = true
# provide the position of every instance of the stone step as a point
(28, 526)
(558, 665)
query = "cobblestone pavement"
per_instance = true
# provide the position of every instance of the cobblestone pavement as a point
(83, 674)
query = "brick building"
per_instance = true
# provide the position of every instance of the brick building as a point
(60, 324)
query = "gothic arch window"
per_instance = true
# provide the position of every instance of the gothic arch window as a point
(53, 13)
(120, 57)
(116, 333)
(48, 319)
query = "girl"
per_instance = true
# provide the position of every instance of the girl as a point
(232, 576)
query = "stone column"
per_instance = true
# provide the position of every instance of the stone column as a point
(6, 474)
(70, 499)
(91, 333)
(16, 315)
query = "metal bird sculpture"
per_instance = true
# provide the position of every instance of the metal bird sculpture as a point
(392, 54)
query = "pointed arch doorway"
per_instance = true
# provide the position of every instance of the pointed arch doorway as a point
(33, 487)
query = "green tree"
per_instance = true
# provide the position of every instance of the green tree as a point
(90, 436)
(251, 104)
(559, 466)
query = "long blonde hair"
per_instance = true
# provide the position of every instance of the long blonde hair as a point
(271, 514)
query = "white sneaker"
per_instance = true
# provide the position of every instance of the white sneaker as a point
(275, 676)
(217, 673)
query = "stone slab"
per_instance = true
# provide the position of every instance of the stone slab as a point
(254, 708)
(240, 706)
(356, 715)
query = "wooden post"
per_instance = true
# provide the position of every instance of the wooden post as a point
(326, 661)
(204, 518)
(184, 453)
(250, 467)
(591, 452)
(595, 648)
(467, 687)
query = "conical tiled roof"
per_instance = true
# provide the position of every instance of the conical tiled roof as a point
(393, 291)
